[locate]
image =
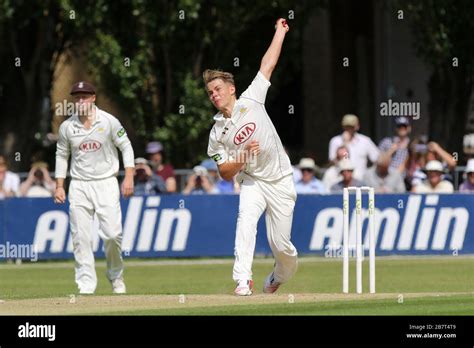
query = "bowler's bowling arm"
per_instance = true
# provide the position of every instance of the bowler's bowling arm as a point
(270, 59)
(228, 170)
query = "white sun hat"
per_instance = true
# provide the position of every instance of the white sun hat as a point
(434, 166)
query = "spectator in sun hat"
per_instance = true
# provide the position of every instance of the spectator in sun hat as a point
(155, 153)
(360, 146)
(346, 168)
(309, 183)
(434, 182)
(468, 185)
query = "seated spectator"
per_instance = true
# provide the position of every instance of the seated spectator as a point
(9, 181)
(424, 153)
(154, 151)
(332, 175)
(383, 177)
(199, 182)
(468, 185)
(308, 182)
(223, 186)
(38, 183)
(346, 168)
(145, 181)
(360, 146)
(396, 147)
(434, 183)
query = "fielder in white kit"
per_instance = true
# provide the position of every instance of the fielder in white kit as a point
(91, 137)
(243, 140)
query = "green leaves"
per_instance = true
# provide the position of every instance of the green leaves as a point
(442, 29)
(185, 134)
(148, 56)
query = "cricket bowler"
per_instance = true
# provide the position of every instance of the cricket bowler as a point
(244, 141)
(91, 138)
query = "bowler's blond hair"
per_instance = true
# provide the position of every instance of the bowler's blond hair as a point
(210, 75)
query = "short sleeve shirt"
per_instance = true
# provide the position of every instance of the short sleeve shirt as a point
(250, 121)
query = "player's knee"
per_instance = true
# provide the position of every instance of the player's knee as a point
(284, 248)
(113, 237)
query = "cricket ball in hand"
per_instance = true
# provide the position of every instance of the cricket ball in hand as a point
(283, 23)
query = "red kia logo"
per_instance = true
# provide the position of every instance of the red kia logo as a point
(90, 146)
(244, 133)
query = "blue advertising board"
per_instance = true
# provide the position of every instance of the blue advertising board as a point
(204, 225)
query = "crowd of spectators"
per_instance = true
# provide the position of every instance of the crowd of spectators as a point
(398, 164)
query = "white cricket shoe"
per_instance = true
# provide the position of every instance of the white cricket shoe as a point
(244, 288)
(118, 286)
(270, 285)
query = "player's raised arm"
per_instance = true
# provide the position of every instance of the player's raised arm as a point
(270, 59)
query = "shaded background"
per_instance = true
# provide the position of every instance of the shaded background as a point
(146, 57)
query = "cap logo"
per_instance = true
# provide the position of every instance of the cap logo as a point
(81, 85)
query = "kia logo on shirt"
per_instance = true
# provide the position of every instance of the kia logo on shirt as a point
(90, 146)
(244, 133)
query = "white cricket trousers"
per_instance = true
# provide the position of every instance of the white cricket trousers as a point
(101, 197)
(278, 199)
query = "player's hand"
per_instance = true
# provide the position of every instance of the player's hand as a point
(127, 186)
(45, 172)
(346, 137)
(192, 181)
(31, 174)
(252, 149)
(282, 24)
(206, 184)
(59, 195)
(433, 146)
(394, 147)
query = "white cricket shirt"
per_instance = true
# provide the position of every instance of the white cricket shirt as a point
(93, 151)
(250, 121)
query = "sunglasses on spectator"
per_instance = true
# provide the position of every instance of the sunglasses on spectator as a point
(307, 170)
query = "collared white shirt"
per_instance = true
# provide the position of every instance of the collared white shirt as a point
(250, 121)
(360, 148)
(93, 151)
(443, 186)
(10, 183)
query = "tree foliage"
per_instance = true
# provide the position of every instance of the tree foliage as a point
(443, 39)
(168, 45)
(148, 56)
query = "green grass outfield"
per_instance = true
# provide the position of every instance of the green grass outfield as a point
(405, 286)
